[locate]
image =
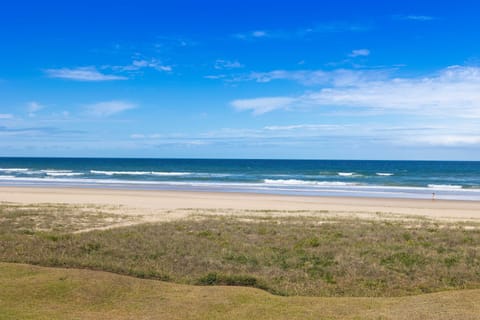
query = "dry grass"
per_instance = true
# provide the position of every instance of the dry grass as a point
(59, 218)
(37, 293)
(297, 255)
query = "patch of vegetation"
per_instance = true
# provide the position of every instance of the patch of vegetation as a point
(58, 218)
(31, 292)
(290, 256)
(212, 279)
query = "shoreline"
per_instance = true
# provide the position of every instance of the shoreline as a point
(345, 191)
(152, 202)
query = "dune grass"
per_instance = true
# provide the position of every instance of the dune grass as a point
(57, 218)
(37, 293)
(299, 255)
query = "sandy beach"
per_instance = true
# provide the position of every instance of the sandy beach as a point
(168, 205)
(308, 249)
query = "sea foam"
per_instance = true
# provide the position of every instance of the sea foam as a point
(445, 186)
(348, 174)
(64, 174)
(13, 169)
(168, 174)
(138, 173)
(305, 182)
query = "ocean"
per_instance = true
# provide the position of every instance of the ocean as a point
(396, 179)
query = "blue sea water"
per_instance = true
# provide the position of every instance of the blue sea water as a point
(400, 179)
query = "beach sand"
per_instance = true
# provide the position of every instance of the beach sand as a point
(169, 205)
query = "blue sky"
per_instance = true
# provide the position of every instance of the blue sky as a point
(240, 79)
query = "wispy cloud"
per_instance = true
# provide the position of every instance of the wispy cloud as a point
(173, 41)
(82, 74)
(215, 76)
(35, 131)
(339, 26)
(252, 34)
(446, 140)
(451, 91)
(259, 34)
(139, 64)
(297, 134)
(33, 107)
(109, 108)
(304, 127)
(6, 116)
(267, 132)
(338, 77)
(187, 143)
(359, 53)
(227, 64)
(262, 105)
(332, 27)
(147, 136)
(414, 17)
(156, 139)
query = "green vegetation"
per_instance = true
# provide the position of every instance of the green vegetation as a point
(38, 293)
(299, 255)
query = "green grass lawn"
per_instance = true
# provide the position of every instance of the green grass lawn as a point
(31, 292)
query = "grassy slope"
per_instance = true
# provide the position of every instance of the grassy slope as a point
(30, 292)
(314, 255)
(307, 256)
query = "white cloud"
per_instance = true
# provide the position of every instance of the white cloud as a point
(259, 34)
(33, 107)
(262, 105)
(182, 142)
(6, 116)
(267, 132)
(453, 91)
(92, 74)
(417, 17)
(164, 68)
(82, 74)
(304, 127)
(169, 140)
(339, 77)
(108, 108)
(141, 64)
(227, 64)
(252, 35)
(401, 135)
(447, 140)
(359, 53)
(302, 32)
(147, 136)
(215, 76)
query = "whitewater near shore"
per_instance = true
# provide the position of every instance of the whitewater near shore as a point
(327, 178)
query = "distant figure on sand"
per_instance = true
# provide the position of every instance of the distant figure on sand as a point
(433, 195)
